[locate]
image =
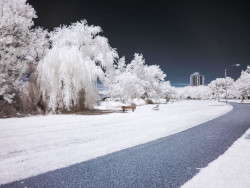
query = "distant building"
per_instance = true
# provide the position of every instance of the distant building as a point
(197, 79)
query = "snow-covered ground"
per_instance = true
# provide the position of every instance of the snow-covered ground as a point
(230, 170)
(237, 101)
(34, 145)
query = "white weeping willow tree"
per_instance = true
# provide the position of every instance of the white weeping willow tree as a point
(69, 71)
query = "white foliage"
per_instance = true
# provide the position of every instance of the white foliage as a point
(167, 91)
(193, 92)
(121, 65)
(16, 14)
(154, 82)
(128, 86)
(137, 80)
(21, 46)
(218, 86)
(75, 62)
(243, 83)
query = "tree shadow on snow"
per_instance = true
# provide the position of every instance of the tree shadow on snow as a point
(94, 112)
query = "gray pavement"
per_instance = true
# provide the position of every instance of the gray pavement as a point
(166, 162)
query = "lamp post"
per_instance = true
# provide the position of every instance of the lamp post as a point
(235, 65)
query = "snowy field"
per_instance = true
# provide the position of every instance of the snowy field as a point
(232, 169)
(34, 145)
(237, 101)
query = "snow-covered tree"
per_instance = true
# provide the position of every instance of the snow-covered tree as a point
(69, 72)
(243, 84)
(127, 86)
(154, 78)
(167, 91)
(193, 92)
(137, 80)
(111, 77)
(125, 83)
(21, 45)
(218, 86)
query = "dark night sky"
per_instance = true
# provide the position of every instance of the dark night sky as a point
(181, 36)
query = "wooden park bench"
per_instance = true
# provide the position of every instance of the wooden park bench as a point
(128, 107)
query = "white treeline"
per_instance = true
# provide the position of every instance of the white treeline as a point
(137, 80)
(239, 89)
(57, 71)
(193, 92)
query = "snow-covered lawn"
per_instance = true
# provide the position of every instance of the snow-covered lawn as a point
(34, 145)
(230, 170)
(247, 101)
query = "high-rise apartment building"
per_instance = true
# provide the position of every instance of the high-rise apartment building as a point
(197, 79)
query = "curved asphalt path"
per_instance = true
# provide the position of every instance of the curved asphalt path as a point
(166, 162)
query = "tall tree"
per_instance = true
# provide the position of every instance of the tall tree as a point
(137, 80)
(243, 84)
(218, 86)
(21, 46)
(69, 72)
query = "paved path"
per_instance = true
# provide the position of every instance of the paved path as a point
(166, 162)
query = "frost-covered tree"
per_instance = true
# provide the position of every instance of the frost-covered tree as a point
(125, 83)
(243, 84)
(154, 78)
(137, 80)
(193, 92)
(127, 86)
(69, 72)
(21, 46)
(218, 86)
(167, 91)
(111, 77)
(150, 77)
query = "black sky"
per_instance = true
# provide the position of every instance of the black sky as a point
(181, 36)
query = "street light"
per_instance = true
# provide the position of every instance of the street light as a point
(235, 65)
